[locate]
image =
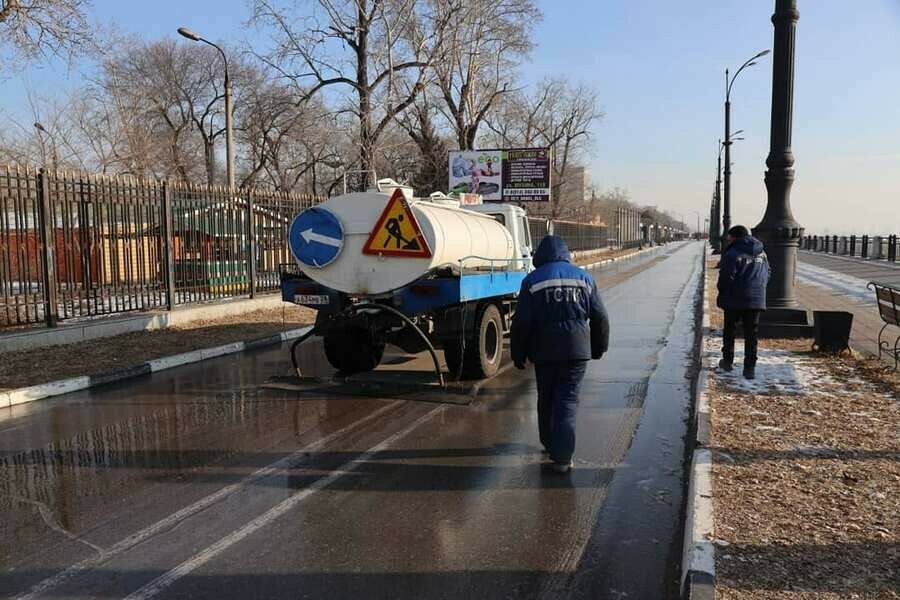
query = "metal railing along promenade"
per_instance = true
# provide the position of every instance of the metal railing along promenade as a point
(876, 247)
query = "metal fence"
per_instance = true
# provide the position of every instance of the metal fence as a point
(78, 246)
(74, 245)
(624, 230)
(875, 247)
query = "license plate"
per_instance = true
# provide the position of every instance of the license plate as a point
(311, 299)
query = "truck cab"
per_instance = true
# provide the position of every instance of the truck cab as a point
(514, 219)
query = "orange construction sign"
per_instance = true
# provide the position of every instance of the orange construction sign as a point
(397, 232)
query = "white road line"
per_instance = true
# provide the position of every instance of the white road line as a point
(144, 534)
(165, 580)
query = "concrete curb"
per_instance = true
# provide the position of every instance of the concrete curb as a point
(65, 386)
(698, 564)
(606, 261)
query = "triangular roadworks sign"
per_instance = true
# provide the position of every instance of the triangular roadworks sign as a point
(397, 232)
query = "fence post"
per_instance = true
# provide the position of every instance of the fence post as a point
(48, 241)
(168, 245)
(853, 245)
(865, 247)
(251, 243)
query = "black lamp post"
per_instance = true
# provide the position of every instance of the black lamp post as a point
(229, 131)
(778, 230)
(729, 82)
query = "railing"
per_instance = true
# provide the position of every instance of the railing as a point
(75, 245)
(876, 247)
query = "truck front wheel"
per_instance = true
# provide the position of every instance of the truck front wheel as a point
(481, 355)
(353, 351)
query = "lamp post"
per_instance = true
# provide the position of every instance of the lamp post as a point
(41, 129)
(729, 82)
(719, 236)
(778, 230)
(229, 132)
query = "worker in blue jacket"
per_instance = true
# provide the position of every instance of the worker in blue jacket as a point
(743, 277)
(559, 324)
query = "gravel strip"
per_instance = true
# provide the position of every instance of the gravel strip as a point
(42, 365)
(806, 475)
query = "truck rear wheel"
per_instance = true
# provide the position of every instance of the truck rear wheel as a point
(481, 355)
(353, 351)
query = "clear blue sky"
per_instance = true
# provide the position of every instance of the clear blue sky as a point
(659, 67)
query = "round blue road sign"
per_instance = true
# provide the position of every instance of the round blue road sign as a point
(316, 237)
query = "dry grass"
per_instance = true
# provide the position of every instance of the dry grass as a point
(42, 365)
(807, 486)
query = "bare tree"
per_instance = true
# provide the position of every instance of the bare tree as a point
(31, 29)
(555, 115)
(289, 147)
(485, 45)
(378, 50)
(178, 90)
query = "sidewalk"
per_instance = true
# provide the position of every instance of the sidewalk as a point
(832, 283)
(805, 472)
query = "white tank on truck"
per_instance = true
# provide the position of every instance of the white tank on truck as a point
(359, 266)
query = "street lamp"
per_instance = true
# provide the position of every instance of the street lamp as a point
(41, 129)
(779, 231)
(229, 132)
(716, 235)
(729, 82)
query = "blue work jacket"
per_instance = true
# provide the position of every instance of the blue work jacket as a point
(743, 276)
(559, 316)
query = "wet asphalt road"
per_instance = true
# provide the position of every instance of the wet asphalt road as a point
(198, 483)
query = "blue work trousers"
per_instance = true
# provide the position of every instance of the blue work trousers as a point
(558, 384)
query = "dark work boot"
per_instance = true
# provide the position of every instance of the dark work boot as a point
(726, 365)
(749, 371)
(560, 468)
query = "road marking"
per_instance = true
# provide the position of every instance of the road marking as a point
(165, 580)
(188, 511)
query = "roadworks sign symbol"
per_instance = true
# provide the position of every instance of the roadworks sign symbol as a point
(397, 232)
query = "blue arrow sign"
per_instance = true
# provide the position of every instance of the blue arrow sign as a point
(316, 237)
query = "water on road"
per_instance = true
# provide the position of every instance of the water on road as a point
(200, 483)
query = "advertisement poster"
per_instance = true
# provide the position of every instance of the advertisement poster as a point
(514, 175)
(526, 175)
(476, 172)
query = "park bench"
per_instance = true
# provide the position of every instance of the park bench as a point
(888, 299)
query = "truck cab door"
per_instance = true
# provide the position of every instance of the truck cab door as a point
(523, 239)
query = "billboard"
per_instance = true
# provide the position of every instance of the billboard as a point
(511, 175)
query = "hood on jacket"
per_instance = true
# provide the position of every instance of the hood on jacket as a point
(748, 245)
(551, 249)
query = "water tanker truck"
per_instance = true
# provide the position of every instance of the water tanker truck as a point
(382, 267)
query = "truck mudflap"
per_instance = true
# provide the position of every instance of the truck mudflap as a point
(350, 312)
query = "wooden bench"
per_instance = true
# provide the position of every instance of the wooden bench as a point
(888, 298)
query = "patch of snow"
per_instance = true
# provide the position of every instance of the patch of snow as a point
(836, 282)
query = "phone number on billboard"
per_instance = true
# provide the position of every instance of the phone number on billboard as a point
(526, 192)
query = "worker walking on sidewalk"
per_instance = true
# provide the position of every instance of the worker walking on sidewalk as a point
(743, 277)
(560, 323)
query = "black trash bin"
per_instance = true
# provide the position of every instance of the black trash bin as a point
(832, 330)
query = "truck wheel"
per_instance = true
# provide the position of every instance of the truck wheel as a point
(483, 353)
(453, 356)
(353, 351)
